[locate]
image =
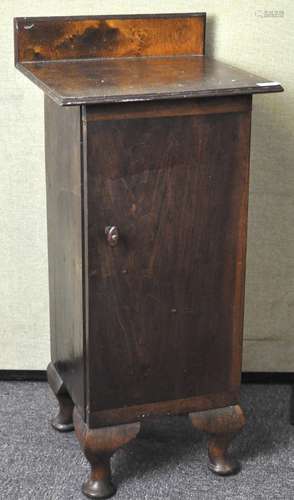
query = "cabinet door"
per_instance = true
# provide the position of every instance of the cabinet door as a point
(165, 303)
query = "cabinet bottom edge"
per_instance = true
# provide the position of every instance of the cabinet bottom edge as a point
(128, 414)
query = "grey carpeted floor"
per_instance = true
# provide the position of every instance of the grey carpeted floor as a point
(168, 463)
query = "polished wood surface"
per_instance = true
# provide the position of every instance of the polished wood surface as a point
(147, 166)
(177, 107)
(175, 407)
(64, 223)
(98, 446)
(125, 58)
(63, 421)
(171, 185)
(222, 425)
(58, 38)
(142, 78)
(66, 192)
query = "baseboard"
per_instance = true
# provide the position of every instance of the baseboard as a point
(268, 378)
(247, 377)
(23, 375)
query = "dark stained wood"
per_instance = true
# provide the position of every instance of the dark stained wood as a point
(109, 36)
(64, 214)
(142, 78)
(147, 218)
(222, 425)
(63, 421)
(126, 58)
(172, 288)
(176, 407)
(177, 107)
(98, 446)
(54, 379)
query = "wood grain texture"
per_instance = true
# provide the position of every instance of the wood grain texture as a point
(269, 348)
(166, 304)
(153, 109)
(109, 36)
(64, 215)
(98, 446)
(141, 78)
(63, 421)
(175, 407)
(222, 425)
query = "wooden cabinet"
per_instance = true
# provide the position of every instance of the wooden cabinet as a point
(147, 161)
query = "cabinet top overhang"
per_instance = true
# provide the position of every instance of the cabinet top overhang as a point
(101, 59)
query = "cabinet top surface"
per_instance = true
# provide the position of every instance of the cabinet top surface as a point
(126, 58)
(145, 78)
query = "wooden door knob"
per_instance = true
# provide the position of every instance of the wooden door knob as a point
(112, 235)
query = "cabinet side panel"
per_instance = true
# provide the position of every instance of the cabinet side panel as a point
(64, 214)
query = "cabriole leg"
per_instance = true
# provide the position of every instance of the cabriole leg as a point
(98, 446)
(63, 422)
(222, 425)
